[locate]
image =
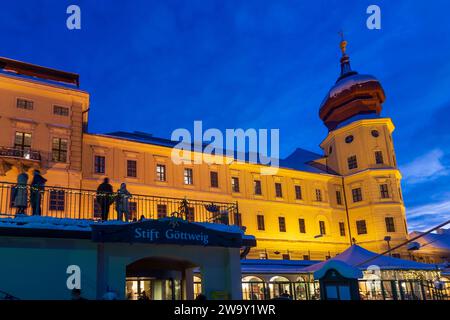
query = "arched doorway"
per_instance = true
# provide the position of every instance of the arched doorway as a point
(158, 278)
(253, 288)
(280, 286)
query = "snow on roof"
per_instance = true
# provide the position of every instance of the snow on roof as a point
(51, 223)
(355, 255)
(348, 83)
(433, 241)
(300, 159)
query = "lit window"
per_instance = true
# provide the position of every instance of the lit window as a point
(99, 164)
(61, 111)
(131, 168)
(214, 176)
(188, 176)
(25, 104)
(59, 150)
(357, 195)
(390, 226)
(361, 227)
(352, 162)
(22, 141)
(235, 184)
(257, 187)
(161, 172)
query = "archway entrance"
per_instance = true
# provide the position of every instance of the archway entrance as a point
(159, 278)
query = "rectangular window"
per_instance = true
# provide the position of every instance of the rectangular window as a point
(342, 229)
(352, 162)
(99, 164)
(338, 197)
(25, 104)
(161, 172)
(298, 192)
(278, 190)
(260, 220)
(57, 200)
(257, 187)
(235, 184)
(322, 228)
(190, 214)
(286, 256)
(188, 176)
(131, 168)
(396, 255)
(59, 150)
(214, 177)
(22, 141)
(161, 210)
(361, 227)
(282, 224)
(61, 111)
(390, 226)
(357, 195)
(384, 191)
(301, 225)
(319, 195)
(379, 157)
(306, 257)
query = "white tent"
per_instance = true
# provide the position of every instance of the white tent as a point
(356, 255)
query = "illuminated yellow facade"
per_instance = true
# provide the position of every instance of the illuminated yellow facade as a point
(297, 215)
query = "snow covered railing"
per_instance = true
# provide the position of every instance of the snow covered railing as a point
(73, 203)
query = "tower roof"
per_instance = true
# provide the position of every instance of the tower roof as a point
(353, 94)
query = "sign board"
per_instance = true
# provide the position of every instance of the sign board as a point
(166, 231)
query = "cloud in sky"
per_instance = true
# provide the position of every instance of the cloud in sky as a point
(423, 217)
(425, 168)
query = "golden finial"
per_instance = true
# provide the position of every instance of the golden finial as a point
(343, 44)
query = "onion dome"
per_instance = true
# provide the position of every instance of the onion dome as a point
(353, 95)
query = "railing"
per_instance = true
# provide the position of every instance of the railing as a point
(368, 290)
(82, 204)
(20, 153)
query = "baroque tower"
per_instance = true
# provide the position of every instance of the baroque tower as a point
(359, 147)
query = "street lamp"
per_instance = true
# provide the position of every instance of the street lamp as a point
(388, 239)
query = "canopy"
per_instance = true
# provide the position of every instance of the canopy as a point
(355, 255)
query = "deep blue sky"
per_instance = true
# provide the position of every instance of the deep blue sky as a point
(156, 66)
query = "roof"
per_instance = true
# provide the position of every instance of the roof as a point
(256, 266)
(35, 71)
(356, 255)
(300, 159)
(433, 241)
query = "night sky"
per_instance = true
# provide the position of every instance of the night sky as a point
(155, 66)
